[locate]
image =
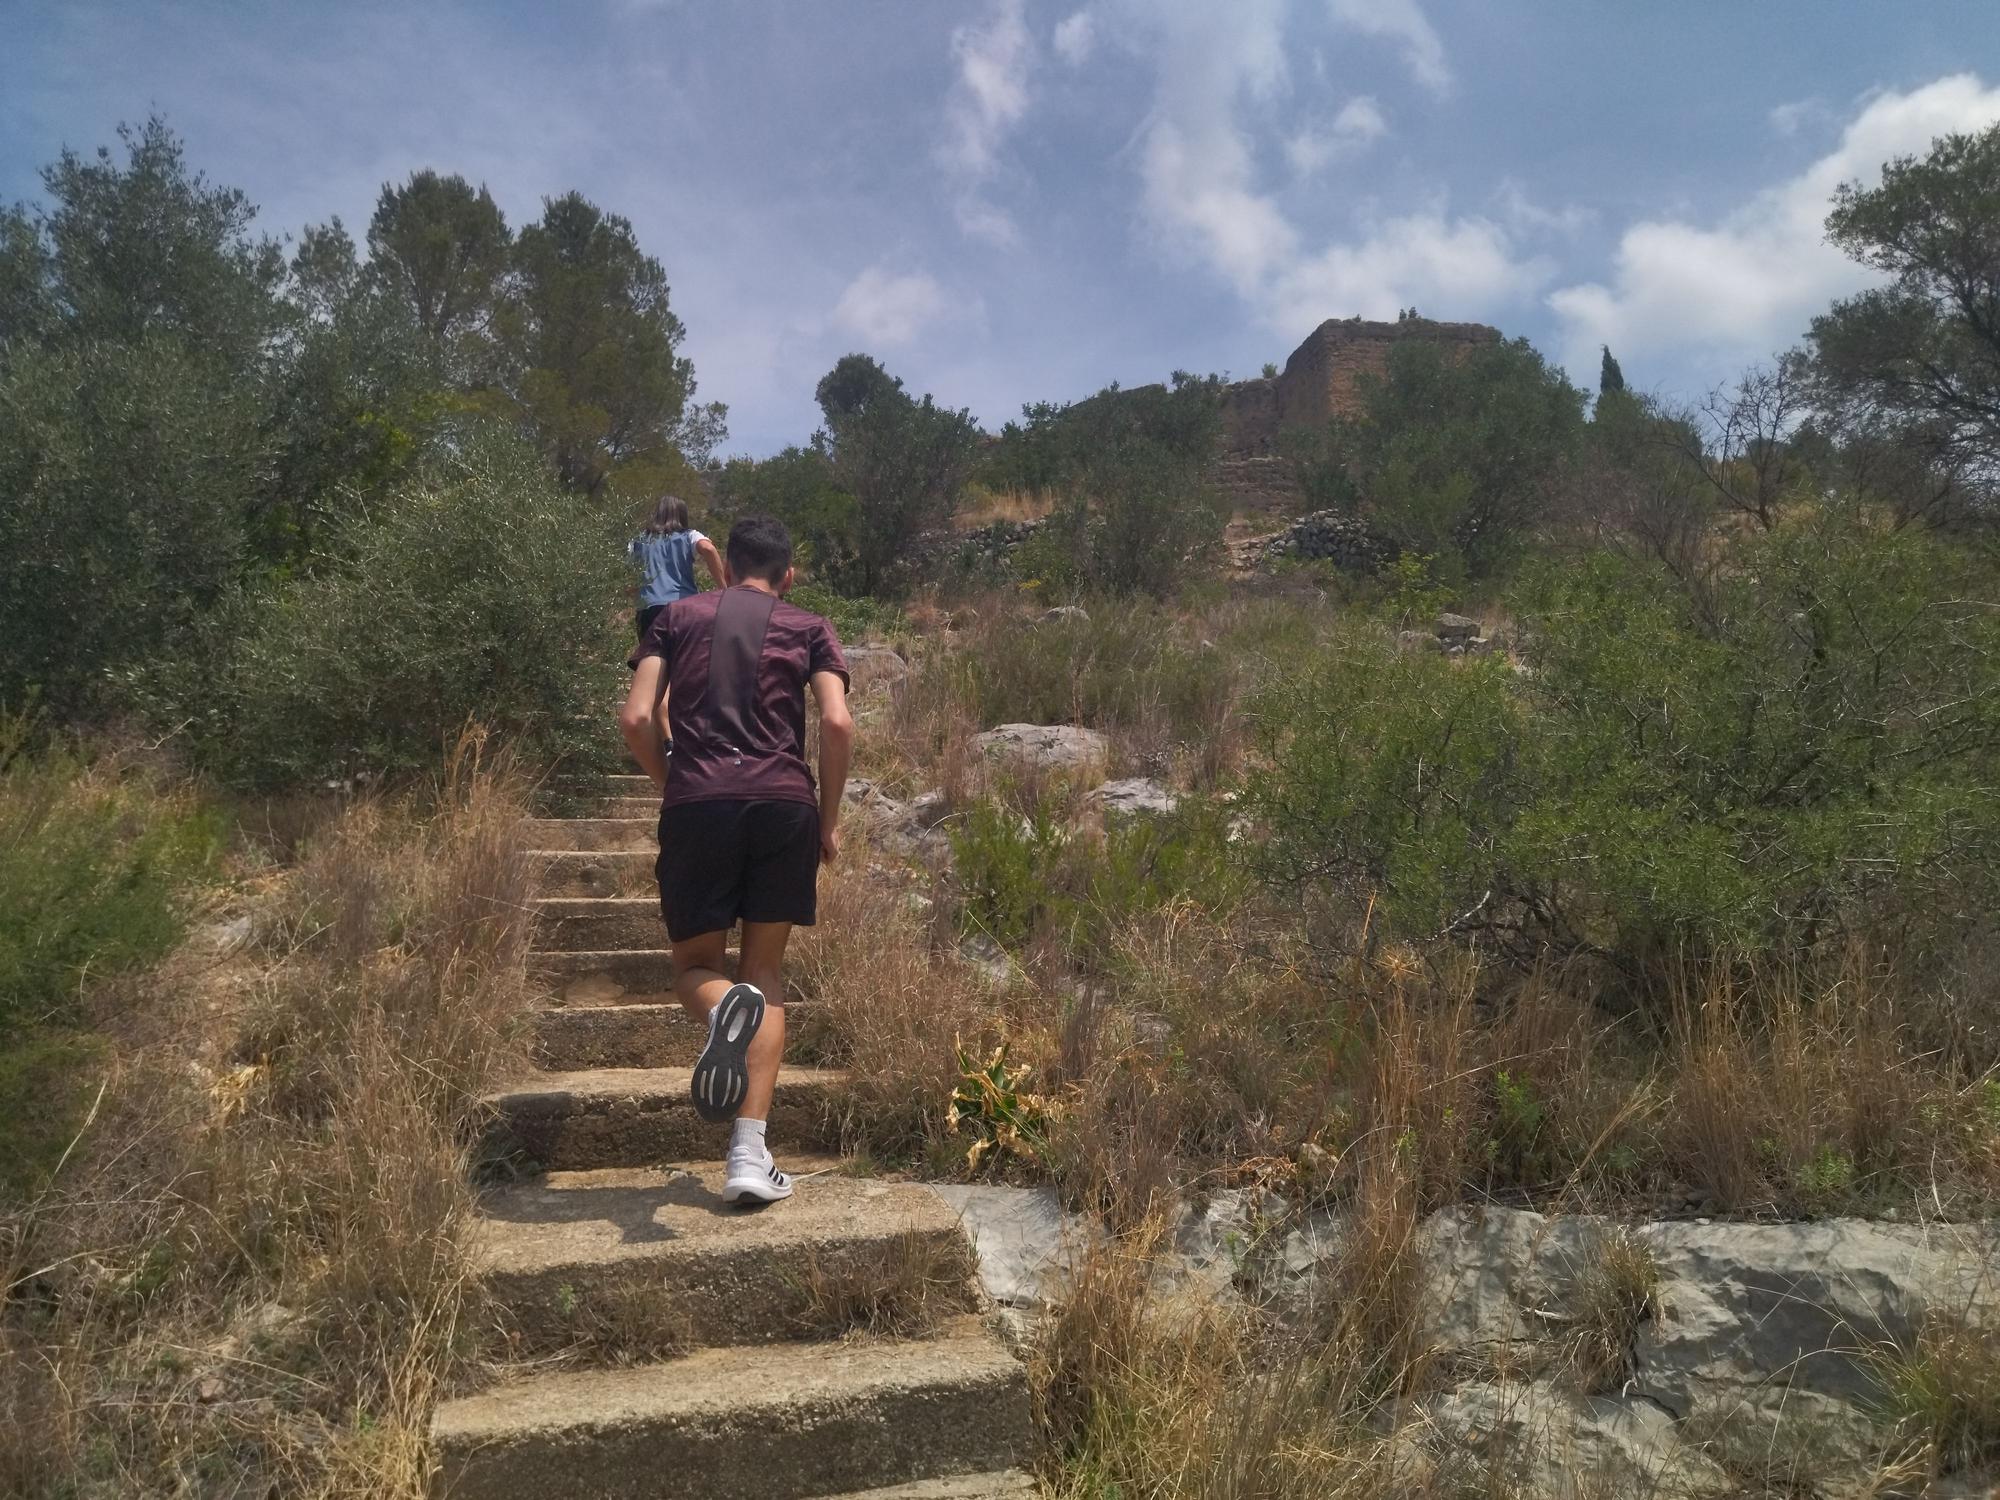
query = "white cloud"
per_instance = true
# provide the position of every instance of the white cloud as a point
(1524, 216)
(992, 91)
(1789, 119)
(1399, 21)
(987, 101)
(1751, 282)
(1440, 264)
(985, 220)
(1075, 36)
(1196, 168)
(1220, 70)
(881, 308)
(1359, 122)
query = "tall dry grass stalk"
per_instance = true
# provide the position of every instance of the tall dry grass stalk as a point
(251, 1277)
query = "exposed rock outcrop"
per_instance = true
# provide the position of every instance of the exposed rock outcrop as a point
(1046, 747)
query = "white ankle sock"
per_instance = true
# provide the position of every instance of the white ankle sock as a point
(747, 1135)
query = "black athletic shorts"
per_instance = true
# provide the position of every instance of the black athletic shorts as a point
(725, 862)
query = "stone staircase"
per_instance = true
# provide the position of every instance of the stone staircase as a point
(662, 1343)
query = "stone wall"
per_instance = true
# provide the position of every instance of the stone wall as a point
(1321, 379)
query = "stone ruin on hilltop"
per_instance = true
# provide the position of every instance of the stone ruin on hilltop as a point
(1320, 380)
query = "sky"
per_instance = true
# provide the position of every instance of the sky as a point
(1010, 200)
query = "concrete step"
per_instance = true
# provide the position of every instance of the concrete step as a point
(647, 807)
(630, 784)
(584, 924)
(648, 1257)
(624, 1031)
(778, 1422)
(594, 834)
(591, 872)
(635, 1117)
(656, 1034)
(604, 975)
(1009, 1484)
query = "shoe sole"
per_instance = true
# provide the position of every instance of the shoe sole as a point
(722, 1073)
(754, 1190)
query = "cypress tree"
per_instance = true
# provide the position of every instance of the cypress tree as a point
(1609, 377)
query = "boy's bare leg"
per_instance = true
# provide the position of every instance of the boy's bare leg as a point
(700, 983)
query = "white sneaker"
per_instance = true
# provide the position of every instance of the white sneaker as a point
(753, 1178)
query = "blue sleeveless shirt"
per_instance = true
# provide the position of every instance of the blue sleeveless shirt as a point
(666, 565)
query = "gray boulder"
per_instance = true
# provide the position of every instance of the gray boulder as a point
(1134, 797)
(913, 829)
(1764, 1333)
(874, 668)
(1452, 627)
(1025, 1243)
(1418, 640)
(1501, 1275)
(1047, 747)
(1554, 1443)
(1771, 1327)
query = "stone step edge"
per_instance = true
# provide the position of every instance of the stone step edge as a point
(558, 1092)
(832, 1418)
(749, 1278)
(675, 1384)
(991, 1484)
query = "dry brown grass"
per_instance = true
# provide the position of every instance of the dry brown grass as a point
(922, 1281)
(250, 1276)
(982, 507)
(889, 1006)
(1141, 1390)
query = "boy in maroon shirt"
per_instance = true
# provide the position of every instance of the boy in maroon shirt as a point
(743, 831)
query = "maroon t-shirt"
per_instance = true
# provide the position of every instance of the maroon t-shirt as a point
(738, 661)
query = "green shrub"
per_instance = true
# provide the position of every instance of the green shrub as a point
(853, 619)
(1799, 749)
(90, 871)
(1025, 874)
(130, 477)
(1390, 775)
(1136, 511)
(1451, 456)
(93, 868)
(482, 592)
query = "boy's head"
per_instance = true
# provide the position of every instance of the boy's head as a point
(760, 547)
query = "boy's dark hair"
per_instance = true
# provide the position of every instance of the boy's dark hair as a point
(760, 547)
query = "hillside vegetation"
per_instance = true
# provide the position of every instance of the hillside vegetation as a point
(1628, 841)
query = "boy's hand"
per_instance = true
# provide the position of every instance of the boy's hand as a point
(829, 844)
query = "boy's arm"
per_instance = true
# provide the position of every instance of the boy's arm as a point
(635, 719)
(712, 560)
(836, 752)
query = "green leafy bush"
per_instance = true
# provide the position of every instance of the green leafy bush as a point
(853, 619)
(1451, 456)
(90, 871)
(1799, 749)
(1392, 776)
(1025, 874)
(482, 592)
(130, 477)
(93, 868)
(1136, 511)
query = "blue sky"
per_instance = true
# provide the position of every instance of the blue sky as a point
(1011, 200)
